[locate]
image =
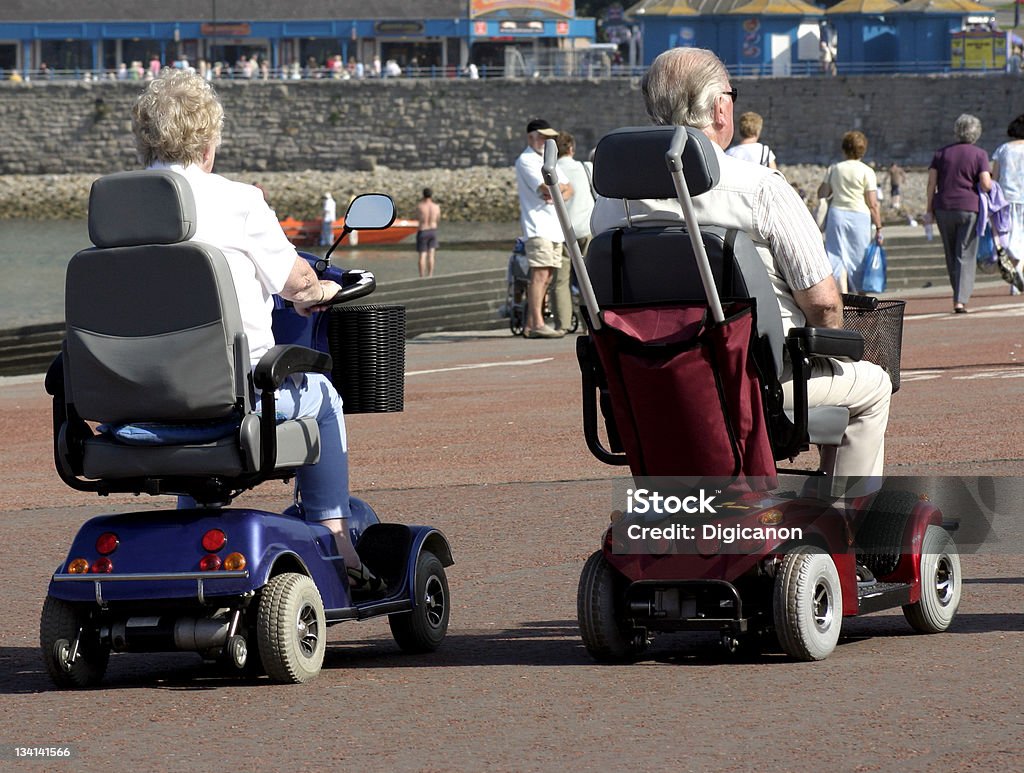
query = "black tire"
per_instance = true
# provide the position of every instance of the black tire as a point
(607, 634)
(424, 628)
(291, 628)
(880, 536)
(807, 604)
(58, 628)
(515, 321)
(941, 584)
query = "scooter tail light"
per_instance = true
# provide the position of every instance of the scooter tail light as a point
(107, 543)
(78, 566)
(102, 565)
(209, 563)
(234, 562)
(214, 540)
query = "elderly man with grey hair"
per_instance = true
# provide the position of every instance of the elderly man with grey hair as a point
(691, 87)
(956, 175)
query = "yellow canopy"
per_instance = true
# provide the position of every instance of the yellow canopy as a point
(862, 6)
(661, 8)
(778, 8)
(944, 6)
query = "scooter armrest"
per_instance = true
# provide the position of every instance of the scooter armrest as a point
(829, 342)
(283, 360)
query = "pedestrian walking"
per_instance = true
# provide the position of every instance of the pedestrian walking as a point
(852, 189)
(956, 175)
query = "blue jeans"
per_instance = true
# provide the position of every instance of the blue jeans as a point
(322, 487)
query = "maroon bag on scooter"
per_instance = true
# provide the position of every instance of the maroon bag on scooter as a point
(685, 392)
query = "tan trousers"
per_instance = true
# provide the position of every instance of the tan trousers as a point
(863, 388)
(562, 293)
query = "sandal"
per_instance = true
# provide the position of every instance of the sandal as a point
(362, 580)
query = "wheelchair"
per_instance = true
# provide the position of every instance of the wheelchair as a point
(153, 393)
(683, 362)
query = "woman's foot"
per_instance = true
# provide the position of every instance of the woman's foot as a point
(959, 309)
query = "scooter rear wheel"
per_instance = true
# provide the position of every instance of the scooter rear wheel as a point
(59, 627)
(291, 627)
(808, 604)
(607, 633)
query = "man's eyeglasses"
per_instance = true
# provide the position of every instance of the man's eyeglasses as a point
(734, 93)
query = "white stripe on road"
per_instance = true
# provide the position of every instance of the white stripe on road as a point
(979, 312)
(479, 365)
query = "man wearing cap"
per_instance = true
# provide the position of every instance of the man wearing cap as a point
(545, 248)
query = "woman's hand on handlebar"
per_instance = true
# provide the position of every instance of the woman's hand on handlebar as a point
(330, 290)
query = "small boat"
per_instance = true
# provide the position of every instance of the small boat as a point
(306, 233)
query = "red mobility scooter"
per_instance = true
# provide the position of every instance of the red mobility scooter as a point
(683, 361)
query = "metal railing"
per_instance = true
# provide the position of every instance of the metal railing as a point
(485, 72)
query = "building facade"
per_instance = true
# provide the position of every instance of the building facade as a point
(424, 37)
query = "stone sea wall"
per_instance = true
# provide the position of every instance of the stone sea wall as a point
(459, 136)
(473, 195)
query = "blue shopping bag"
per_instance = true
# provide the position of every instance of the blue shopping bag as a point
(987, 249)
(874, 269)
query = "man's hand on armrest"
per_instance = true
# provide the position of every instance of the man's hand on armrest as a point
(821, 304)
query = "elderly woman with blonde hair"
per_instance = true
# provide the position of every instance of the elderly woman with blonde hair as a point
(956, 175)
(177, 122)
(852, 189)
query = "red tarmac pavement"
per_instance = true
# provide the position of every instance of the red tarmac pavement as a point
(489, 449)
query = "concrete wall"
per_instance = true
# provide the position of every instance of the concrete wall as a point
(83, 127)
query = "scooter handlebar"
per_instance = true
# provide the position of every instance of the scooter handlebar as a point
(355, 282)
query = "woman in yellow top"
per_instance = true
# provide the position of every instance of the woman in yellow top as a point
(852, 188)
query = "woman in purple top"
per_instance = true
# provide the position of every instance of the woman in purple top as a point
(956, 175)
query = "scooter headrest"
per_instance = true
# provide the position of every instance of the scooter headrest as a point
(154, 206)
(629, 163)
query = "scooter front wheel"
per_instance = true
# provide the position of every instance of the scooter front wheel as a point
(424, 628)
(941, 583)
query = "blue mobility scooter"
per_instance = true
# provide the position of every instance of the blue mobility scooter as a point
(155, 352)
(684, 361)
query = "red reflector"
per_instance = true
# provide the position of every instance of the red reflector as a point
(107, 543)
(214, 540)
(102, 566)
(209, 563)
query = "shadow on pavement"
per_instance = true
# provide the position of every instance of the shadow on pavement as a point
(544, 644)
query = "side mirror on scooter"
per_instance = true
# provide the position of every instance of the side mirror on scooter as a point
(370, 211)
(367, 212)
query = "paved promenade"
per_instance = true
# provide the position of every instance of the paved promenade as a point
(489, 449)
